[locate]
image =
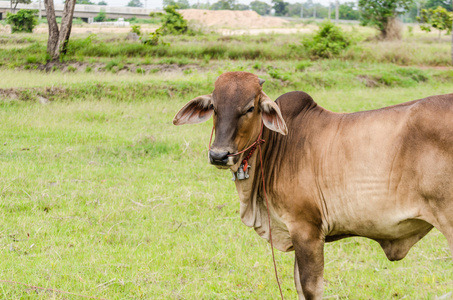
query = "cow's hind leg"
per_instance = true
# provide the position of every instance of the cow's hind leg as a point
(441, 218)
(446, 227)
(309, 249)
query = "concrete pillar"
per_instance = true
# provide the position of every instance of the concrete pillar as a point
(337, 11)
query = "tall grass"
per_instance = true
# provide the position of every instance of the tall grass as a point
(411, 51)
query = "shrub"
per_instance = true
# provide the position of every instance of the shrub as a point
(101, 17)
(173, 22)
(136, 29)
(23, 21)
(328, 42)
(153, 38)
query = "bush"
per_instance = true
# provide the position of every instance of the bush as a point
(23, 21)
(101, 17)
(137, 29)
(173, 22)
(153, 38)
(328, 42)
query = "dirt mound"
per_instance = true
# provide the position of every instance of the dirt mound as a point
(231, 18)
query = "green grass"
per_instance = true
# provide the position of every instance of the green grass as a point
(101, 195)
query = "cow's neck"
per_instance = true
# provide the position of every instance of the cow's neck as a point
(278, 153)
(251, 187)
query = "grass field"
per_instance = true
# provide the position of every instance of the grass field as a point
(100, 195)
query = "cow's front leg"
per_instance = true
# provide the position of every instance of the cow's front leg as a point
(309, 249)
(300, 293)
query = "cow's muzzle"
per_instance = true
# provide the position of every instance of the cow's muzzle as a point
(219, 158)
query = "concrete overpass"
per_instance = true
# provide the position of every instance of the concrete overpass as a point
(85, 12)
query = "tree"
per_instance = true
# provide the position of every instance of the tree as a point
(294, 9)
(85, 2)
(240, 6)
(348, 11)
(102, 3)
(23, 21)
(203, 5)
(15, 2)
(447, 4)
(438, 18)
(134, 3)
(383, 14)
(280, 7)
(182, 4)
(223, 5)
(59, 37)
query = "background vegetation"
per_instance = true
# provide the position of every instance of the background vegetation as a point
(101, 196)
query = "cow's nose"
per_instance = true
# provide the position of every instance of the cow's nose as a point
(218, 158)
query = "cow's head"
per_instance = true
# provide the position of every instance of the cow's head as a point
(238, 105)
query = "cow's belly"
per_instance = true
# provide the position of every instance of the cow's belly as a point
(380, 229)
(374, 212)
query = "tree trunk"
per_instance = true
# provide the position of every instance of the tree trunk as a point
(58, 38)
(66, 25)
(392, 30)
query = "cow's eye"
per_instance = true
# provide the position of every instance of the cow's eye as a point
(251, 109)
(211, 106)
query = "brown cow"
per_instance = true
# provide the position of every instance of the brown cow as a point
(384, 174)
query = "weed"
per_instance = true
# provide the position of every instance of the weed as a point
(32, 59)
(207, 57)
(302, 65)
(71, 69)
(257, 66)
(278, 74)
(109, 66)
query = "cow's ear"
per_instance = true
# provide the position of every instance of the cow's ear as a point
(271, 115)
(197, 110)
